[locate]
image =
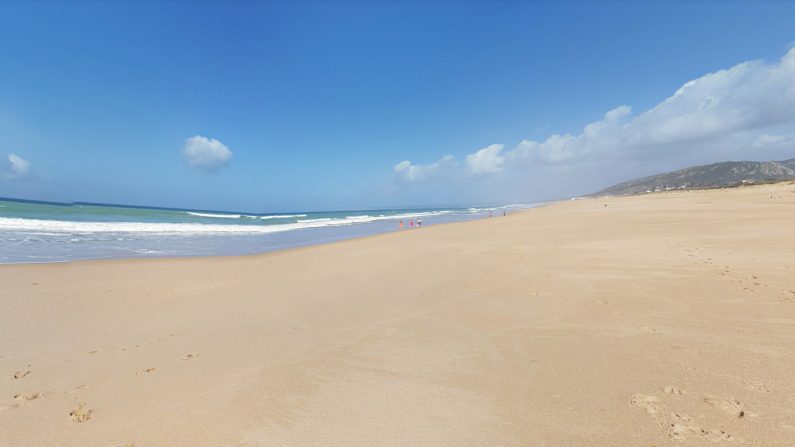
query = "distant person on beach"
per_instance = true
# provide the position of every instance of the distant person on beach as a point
(489, 213)
(504, 213)
(400, 225)
(411, 223)
(419, 222)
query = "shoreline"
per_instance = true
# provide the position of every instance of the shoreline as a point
(624, 321)
(279, 249)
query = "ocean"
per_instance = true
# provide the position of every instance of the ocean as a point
(32, 232)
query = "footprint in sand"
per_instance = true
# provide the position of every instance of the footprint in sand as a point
(756, 385)
(190, 356)
(680, 417)
(646, 402)
(677, 426)
(81, 413)
(141, 372)
(21, 374)
(27, 397)
(716, 435)
(677, 432)
(672, 390)
(732, 407)
(680, 432)
(76, 389)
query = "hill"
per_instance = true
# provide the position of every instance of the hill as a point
(716, 175)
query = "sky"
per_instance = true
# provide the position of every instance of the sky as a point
(285, 106)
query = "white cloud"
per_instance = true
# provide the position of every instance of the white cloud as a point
(767, 140)
(207, 154)
(19, 165)
(15, 167)
(488, 160)
(408, 172)
(736, 113)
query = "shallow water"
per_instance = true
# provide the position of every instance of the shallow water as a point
(47, 232)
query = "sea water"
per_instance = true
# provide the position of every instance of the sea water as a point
(54, 232)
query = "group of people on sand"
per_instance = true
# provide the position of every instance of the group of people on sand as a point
(418, 223)
(412, 224)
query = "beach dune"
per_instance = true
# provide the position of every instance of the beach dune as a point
(663, 319)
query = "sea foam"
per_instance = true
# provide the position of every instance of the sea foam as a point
(168, 228)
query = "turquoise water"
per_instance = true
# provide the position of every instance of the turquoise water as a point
(48, 232)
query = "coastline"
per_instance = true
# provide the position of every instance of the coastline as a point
(272, 251)
(639, 320)
(147, 232)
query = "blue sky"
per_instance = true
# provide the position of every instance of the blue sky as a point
(335, 105)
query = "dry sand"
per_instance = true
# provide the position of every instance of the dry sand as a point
(667, 319)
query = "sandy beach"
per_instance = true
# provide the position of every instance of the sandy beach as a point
(665, 319)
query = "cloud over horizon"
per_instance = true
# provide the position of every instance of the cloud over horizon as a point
(408, 172)
(745, 111)
(206, 154)
(15, 167)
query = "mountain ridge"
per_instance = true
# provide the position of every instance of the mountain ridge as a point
(716, 175)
